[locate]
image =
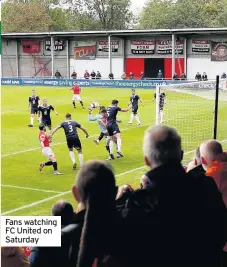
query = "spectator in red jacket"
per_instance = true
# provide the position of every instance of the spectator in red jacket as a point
(86, 75)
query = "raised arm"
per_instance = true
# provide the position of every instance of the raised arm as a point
(55, 130)
(85, 131)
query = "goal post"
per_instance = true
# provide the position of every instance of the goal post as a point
(191, 108)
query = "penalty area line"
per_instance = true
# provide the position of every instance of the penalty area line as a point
(30, 188)
(58, 195)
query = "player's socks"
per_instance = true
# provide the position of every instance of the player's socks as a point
(119, 144)
(48, 163)
(81, 158)
(82, 104)
(137, 119)
(32, 120)
(161, 117)
(108, 149)
(111, 146)
(101, 136)
(55, 166)
(74, 104)
(131, 118)
(72, 156)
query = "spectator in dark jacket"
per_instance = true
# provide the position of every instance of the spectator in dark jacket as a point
(93, 75)
(111, 76)
(57, 74)
(142, 75)
(86, 75)
(131, 76)
(178, 220)
(175, 76)
(98, 75)
(183, 76)
(223, 76)
(204, 77)
(198, 76)
(50, 256)
(74, 75)
(160, 75)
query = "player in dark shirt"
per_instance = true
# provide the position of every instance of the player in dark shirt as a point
(162, 101)
(45, 110)
(134, 99)
(33, 103)
(112, 126)
(72, 138)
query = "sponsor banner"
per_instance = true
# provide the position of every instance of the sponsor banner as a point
(85, 50)
(219, 51)
(103, 46)
(58, 45)
(146, 84)
(201, 46)
(142, 47)
(30, 47)
(165, 47)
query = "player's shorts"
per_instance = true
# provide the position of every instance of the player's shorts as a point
(47, 152)
(34, 110)
(74, 143)
(134, 110)
(46, 122)
(112, 129)
(76, 97)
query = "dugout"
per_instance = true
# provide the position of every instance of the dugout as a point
(41, 54)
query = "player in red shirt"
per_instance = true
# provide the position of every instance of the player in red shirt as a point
(76, 95)
(47, 151)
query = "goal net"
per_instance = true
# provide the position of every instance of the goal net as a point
(189, 107)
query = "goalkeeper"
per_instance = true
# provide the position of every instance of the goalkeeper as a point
(162, 101)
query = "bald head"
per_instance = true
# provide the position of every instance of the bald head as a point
(209, 151)
(162, 145)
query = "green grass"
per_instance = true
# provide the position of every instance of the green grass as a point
(21, 153)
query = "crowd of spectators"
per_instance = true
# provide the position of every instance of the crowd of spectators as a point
(131, 76)
(177, 216)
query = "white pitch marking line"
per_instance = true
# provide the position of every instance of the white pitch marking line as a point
(61, 143)
(58, 195)
(29, 188)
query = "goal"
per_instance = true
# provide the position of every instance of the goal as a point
(191, 108)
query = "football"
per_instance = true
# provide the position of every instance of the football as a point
(94, 104)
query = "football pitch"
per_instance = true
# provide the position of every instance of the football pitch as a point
(27, 191)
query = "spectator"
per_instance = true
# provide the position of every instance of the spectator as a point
(175, 76)
(214, 161)
(58, 74)
(93, 75)
(131, 76)
(163, 224)
(160, 75)
(183, 76)
(124, 76)
(96, 190)
(74, 75)
(204, 77)
(13, 257)
(195, 166)
(223, 76)
(86, 75)
(111, 76)
(98, 75)
(198, 76)
(142, 75)
(50, 256)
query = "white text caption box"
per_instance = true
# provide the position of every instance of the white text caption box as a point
(33, 231)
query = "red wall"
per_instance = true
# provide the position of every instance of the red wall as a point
(168, 67)
(134, 65)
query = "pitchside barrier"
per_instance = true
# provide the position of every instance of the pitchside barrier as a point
(145, 84)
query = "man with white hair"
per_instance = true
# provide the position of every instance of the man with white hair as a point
(177, 220)
(214, 161)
